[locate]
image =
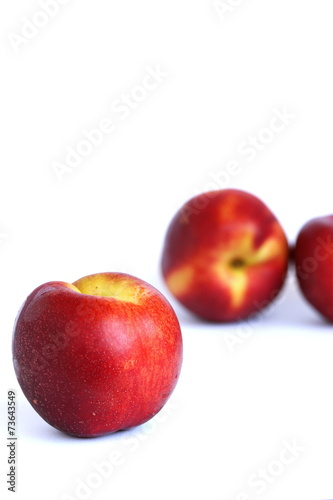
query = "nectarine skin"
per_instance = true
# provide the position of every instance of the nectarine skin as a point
(314, 263)
(92, 364)
(225, 255)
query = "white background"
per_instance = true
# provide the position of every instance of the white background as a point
(233, 409)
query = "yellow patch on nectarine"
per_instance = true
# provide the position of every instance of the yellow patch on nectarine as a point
(235, 279)
(270, 249)
(238, 286)
(179, 281)
(104, 285)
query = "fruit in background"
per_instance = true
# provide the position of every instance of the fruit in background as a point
(225, 255)
(314, 263)
(99, 355)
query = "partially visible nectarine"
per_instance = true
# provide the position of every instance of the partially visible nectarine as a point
(314, 263)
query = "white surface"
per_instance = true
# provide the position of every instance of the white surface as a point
(233, 411)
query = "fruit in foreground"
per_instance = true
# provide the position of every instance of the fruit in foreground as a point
(314, 263)
(225, 255)
(99, 355)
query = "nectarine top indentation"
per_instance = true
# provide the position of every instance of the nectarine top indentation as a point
(112, 285)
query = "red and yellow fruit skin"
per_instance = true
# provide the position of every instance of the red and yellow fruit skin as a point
(92, 365)
(225, 255)
(314, 264)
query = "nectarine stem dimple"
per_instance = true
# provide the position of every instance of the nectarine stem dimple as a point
(237, 262)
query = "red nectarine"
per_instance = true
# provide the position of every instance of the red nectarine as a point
(225, 255)
(99, 355)
(314, 263)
